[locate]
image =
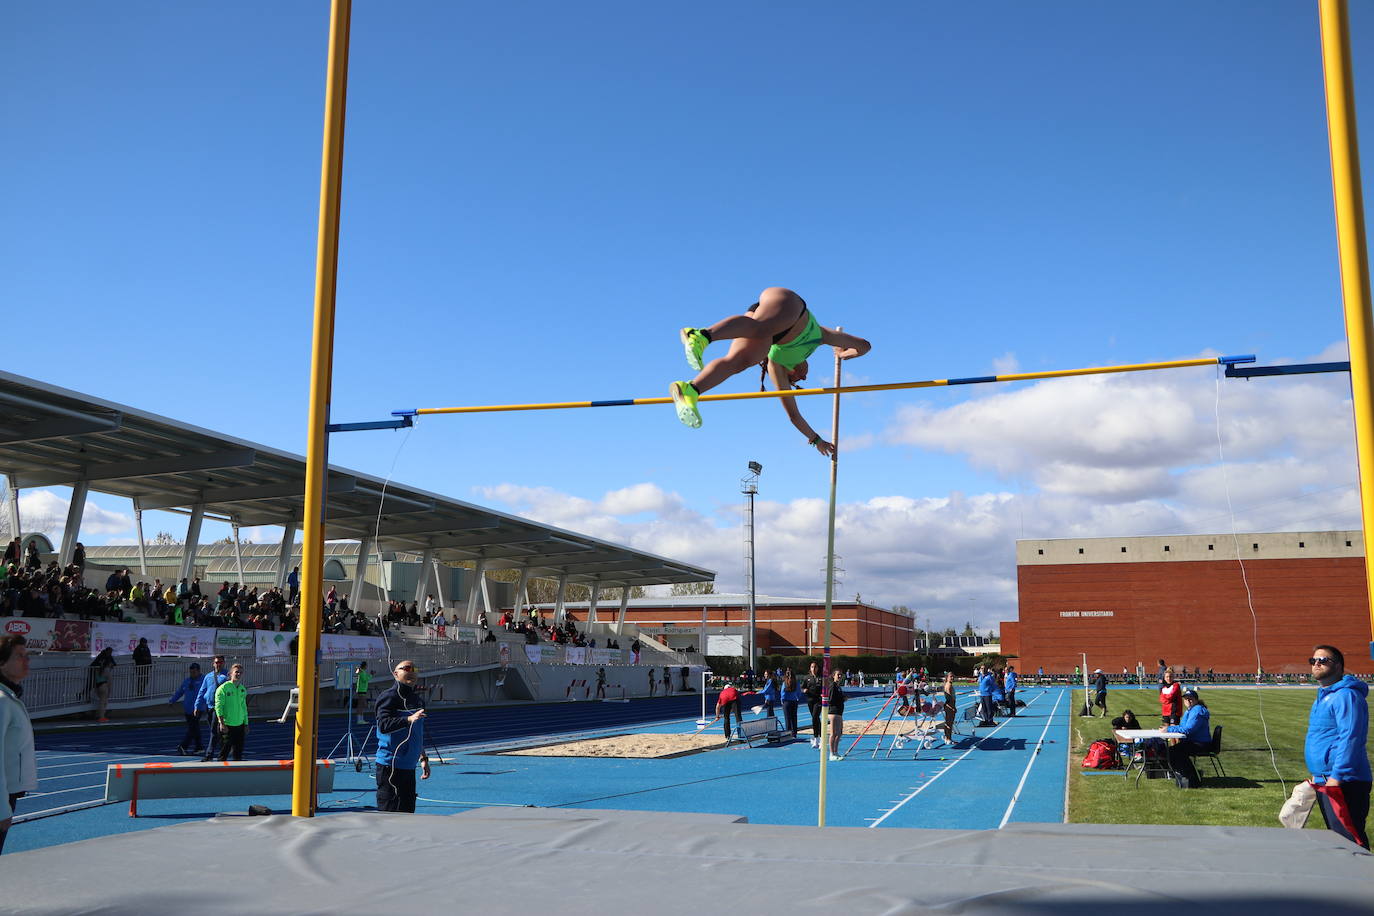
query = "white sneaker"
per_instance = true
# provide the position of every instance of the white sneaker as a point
(816, 742)
(836, 757)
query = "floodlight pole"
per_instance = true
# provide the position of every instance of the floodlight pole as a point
(304, 787)
(749, 486)
(1338, 76)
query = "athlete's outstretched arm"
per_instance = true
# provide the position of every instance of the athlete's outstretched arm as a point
(780, 381)
(847, 346)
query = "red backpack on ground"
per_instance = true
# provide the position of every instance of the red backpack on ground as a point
(1101, 756)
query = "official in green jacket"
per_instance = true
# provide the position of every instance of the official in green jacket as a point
(231, 714)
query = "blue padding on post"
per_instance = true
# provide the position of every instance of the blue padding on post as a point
(405, 413)
(624, 402)
(976, 380)
(1232, 360)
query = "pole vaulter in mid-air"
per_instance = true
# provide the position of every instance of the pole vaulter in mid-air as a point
(777, 333)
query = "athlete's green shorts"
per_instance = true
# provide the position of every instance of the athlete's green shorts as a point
(795, 351)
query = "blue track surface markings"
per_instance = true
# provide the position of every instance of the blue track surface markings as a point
(1013, 772)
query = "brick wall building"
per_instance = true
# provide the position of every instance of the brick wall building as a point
(1184, 599)
(784, 626)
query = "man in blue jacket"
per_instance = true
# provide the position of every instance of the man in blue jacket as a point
(1337, 731)
(1009, 687)
(400, 724)
(986, 682)
(187, 694)
(205, 703)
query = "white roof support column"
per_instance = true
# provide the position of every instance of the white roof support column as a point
(142, 549)
(439, 580)
(624, 603)
(13, 507)
(72, 532)
(426, 560)
(188, 554)
(560, 612)
(477, 591)
(522, 594)
(591, 604)
(360, 572)
(285, 553)
(238, 553)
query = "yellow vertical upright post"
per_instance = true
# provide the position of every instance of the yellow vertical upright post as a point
(304, 791)
(1337, 74)
(829, 599)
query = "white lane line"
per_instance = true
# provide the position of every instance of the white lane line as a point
(60, 809)
(1016, 796)
(100, 785)
(977, 741)
(113, 758)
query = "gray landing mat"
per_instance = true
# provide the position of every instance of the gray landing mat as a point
(560, 861)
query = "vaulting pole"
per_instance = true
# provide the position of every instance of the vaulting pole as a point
(829, 596)
(304, 790)
(1350, 239)
(853, 389)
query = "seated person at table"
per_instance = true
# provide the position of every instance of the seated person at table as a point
(1127, 719)
(1196, 738)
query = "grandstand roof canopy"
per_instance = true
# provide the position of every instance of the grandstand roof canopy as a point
(51, 436)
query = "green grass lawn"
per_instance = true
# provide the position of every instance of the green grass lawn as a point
(1250, 794)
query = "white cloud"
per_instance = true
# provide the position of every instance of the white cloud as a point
(46, 511)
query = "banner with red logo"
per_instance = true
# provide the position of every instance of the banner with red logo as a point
(46, 635)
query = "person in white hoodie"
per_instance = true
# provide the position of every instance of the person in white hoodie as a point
(18, 765)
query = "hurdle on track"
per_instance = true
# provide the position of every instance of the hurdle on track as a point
(846, 389)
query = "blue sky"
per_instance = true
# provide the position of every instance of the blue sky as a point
(537, 195)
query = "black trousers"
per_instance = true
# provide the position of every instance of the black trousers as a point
(395, 789)
(15, 796)
(814, 707)
(985, 707)
(1181, 762)
(726, 711)
(1011, 702)
(191, 740)
(789, 715)
(233, 742)
(1357, 803)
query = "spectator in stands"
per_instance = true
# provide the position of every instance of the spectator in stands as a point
(667, 680)
(293, 583)
(112, 582)
(400, 717)
(18, 762)
(12, 553)
(143, 665)
(188, 691)
(205, 703)
(1196, 732)
(101, 670)
(231, 714)
(1170, 698)
(1336, 749)
(31, 558)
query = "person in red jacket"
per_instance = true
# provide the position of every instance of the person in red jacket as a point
(1170, 698)
(726, 705)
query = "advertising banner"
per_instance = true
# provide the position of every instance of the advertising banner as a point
(344, 645)
(124, 637)
(606, 656)
(270, 644)
(71, 636)
(37, 631)
(544, 654)
(578, 655)
(235, 642)
(468, 635)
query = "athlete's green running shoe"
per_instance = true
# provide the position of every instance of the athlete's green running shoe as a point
(694, 342)
(685, 400)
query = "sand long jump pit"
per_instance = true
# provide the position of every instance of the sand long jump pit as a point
(640, 746)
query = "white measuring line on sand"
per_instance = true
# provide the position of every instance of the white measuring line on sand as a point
(1016, 796)
(888, 813)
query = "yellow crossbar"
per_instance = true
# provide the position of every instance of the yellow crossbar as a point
(845, 389)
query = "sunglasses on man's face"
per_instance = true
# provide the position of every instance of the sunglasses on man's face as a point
(1321, 660)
